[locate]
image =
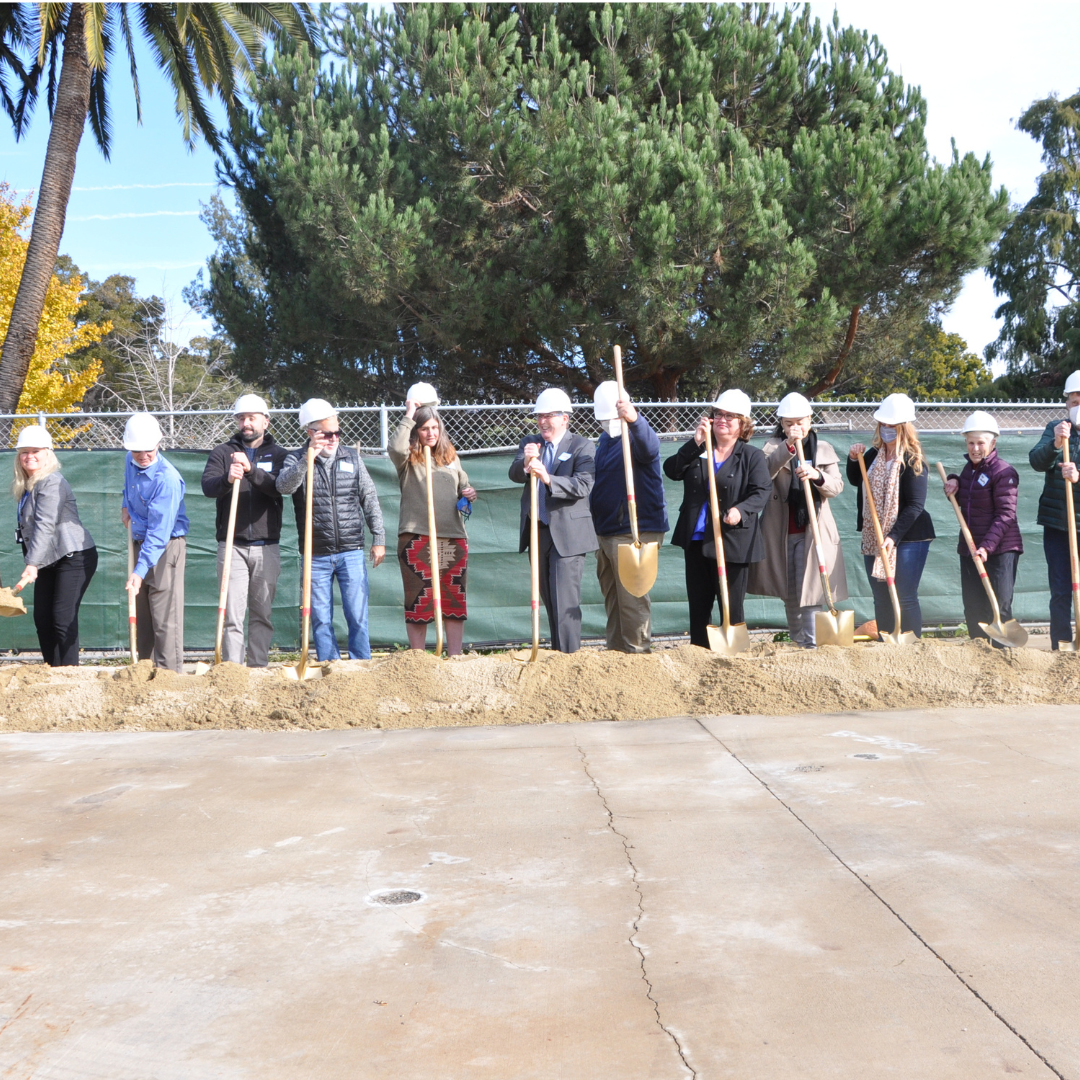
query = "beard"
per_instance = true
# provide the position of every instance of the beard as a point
(248, 437)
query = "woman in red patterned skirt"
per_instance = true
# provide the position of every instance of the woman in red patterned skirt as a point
(422, 427)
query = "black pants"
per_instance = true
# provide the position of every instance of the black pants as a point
(1001, 570)
(703, 590)
(58, 592)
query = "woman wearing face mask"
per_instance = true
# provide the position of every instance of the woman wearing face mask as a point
(60, 554)
(743, 487)
(453, 497)
(790, 568)
(898, 477)
(986, 490)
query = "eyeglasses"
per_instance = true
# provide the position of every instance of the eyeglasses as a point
(330, 434)
(726, 417)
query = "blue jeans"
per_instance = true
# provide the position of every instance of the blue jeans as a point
(910, 559)
(1059, 575)
(351, 572)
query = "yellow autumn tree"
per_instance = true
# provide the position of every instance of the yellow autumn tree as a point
(50, 387)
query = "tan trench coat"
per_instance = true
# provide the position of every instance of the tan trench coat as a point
(769, 577)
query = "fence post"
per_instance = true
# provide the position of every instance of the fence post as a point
(384, 429)
(41, 419)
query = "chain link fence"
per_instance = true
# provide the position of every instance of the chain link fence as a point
(475, 429)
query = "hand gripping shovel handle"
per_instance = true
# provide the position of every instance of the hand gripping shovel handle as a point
(714, 506)
(133, 636)
(811, 511)
(433, 549)
(970, 541)
(628, 463)
(226, 569)
(879, 536)
(1074, 560)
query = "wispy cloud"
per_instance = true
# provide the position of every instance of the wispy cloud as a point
(151, 213)
(133, 187)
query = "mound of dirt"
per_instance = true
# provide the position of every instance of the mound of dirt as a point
(414, 689)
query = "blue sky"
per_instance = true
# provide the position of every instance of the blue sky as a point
(979, 67)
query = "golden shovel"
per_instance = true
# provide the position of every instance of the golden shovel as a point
(302, 672)
(1011, 633)
(1074, 561)
(133, 633)
(223, 594)
(433, 549)
(896, 637)
(832, 627)
(637, 562)
(726, 639)
(528, 656)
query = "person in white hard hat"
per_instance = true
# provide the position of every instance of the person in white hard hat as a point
(344, 500)
(1047, 457)
(629, 618)
(898, 476)
(986, 489)
(743, 486)
(564, 466)
(452, 495)
(153, 505)
(59, 553)
(790, 567)
(252, 459)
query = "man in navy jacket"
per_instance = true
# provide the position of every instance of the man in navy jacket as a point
(629, 618)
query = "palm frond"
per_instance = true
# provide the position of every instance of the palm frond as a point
(95, 17)
(129, 46)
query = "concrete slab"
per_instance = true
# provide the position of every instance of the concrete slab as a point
(733, 897)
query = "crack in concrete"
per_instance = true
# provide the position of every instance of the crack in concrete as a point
(635, 877)
(885, 903)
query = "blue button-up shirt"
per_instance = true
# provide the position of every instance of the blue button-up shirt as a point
(154, 498)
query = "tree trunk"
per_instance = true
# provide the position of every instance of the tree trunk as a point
(666, 383)
(823, 384)
(69, 119)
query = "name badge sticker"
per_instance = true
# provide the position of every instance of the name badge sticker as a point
(345, 466)
(984, 480)
(266, 466)
(565, 457)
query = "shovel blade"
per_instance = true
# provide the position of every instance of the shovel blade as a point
(637, 565)
(835, 629)
(303, 674)
(1010, 634)
(202, 667)
(730, 639)
(905, 638)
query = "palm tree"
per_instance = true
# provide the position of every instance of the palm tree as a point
(204, 50)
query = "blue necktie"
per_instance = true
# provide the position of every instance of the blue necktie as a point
(546, 459)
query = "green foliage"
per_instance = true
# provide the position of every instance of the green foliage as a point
(490, 196)
(1036, 265)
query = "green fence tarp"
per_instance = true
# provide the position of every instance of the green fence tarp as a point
(498, 581)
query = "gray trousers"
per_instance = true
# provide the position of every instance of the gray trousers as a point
(159, 608)
(800, 620)
(560, 589)
(629, 617)
(253, 579)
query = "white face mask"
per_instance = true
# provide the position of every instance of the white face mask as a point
(888, 434)
(614, 428)
(1074, 415)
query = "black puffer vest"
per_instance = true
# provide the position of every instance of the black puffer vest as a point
(337, 519)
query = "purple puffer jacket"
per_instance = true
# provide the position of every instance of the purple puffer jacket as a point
(987, 496)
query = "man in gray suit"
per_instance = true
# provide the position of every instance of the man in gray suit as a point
(564, 466)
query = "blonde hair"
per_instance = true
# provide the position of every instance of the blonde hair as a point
(908, 448)
(23, 482)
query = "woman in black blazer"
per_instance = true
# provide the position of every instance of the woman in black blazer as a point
(743, 486)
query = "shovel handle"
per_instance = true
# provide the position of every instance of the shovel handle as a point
(534, 562)
(628, 461)
(811, 512)
(972, 549)
(1074, 560)
(305, 595)
(226, 570)
(433, 549)
(132, 626)
(879, 536)
(718, 540)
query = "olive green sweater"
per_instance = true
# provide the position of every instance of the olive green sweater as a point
(449, 482)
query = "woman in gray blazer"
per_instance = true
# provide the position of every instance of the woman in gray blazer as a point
(60, 554)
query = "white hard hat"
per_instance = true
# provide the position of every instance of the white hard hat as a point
(896, 409)
(981, 421)
(423, 392)
(142, 432)
(34, 437)
(604, 400)
(734, 401)
(250, 403)
(794, 407)
(1072, 383)
(553, 400)
(315, 409)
